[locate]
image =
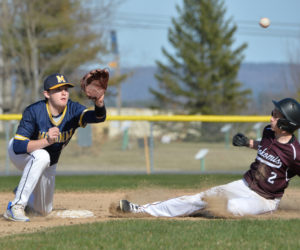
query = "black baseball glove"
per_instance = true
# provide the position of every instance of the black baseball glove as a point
(240, 140)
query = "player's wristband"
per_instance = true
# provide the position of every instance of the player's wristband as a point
(100, 111)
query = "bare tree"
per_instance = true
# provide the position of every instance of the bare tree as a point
(39, 37)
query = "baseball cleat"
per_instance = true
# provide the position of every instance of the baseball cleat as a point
(15, 213)
(128, 207)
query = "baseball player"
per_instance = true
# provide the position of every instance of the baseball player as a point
(262, 186)
(45, 129)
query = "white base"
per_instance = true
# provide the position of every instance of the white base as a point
(72, 214)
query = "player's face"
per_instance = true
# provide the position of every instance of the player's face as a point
(275, 116)
(59, 97)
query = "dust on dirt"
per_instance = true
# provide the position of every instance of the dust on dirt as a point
(104, 206)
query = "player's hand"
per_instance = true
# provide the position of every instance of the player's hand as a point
(100, 101)
(53, 135)
(240, 140)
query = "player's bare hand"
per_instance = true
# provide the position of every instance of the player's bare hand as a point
(100, 101)
(53, 135)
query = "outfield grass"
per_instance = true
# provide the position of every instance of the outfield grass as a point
(141, 233)
(164, 234)
(176, 156)
(114, 182)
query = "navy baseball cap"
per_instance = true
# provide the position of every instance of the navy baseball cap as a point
(55, 81)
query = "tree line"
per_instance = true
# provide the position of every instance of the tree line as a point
(39, 37)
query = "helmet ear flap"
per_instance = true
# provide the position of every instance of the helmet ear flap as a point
(285, 125)
(281, 123)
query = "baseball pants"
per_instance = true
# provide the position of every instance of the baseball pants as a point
(241, 200)
(36, 187)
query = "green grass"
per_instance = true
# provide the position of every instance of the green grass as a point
(114, 182)
(176, 156)
(138, 233)
(164, 234)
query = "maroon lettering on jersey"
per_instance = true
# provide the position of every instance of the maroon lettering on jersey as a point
(274, 165)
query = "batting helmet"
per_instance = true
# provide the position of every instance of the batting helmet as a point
(290, 109)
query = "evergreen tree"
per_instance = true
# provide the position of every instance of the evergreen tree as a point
(202, 75)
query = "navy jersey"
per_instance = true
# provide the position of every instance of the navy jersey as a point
(37, 120)
(274, 165)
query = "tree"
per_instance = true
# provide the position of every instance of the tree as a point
(39, 37)
(201, 76)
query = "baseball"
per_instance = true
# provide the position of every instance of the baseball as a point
(264, 22)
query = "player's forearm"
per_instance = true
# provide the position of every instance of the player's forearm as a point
(253, 144)
(37, 144)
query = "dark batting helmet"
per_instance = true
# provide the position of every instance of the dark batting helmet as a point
(290, 109)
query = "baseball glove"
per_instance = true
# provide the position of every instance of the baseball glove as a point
(94, 83)
(240, 140)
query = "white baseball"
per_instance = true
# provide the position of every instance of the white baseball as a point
(264, 22)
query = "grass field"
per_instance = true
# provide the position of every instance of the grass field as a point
(115, 182)
(174, 157)
(143, 233)
(160, 234)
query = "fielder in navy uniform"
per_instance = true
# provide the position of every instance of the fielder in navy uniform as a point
(45, 129)
(262, 186)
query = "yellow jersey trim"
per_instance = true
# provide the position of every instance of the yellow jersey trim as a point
(80, 119)
(21, 137)
(51, 118)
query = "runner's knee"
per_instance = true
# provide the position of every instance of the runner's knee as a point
(233, 207)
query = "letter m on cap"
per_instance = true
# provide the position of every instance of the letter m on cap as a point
(60, 79)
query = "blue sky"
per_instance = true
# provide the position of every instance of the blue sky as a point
(142, 26)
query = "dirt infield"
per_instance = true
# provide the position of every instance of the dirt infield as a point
(102, 205)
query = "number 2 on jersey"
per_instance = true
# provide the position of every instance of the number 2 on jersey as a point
(272, 177)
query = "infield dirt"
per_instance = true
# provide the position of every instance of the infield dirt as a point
(103, 204)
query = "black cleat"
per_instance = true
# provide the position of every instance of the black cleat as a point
(128, 207)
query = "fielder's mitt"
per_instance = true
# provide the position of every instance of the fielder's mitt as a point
(94, 83)
(240, 140)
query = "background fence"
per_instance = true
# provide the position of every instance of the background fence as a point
(151, 144)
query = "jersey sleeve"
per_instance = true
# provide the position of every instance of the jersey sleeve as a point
(295, 168)
(93, 116)
(24, 132)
